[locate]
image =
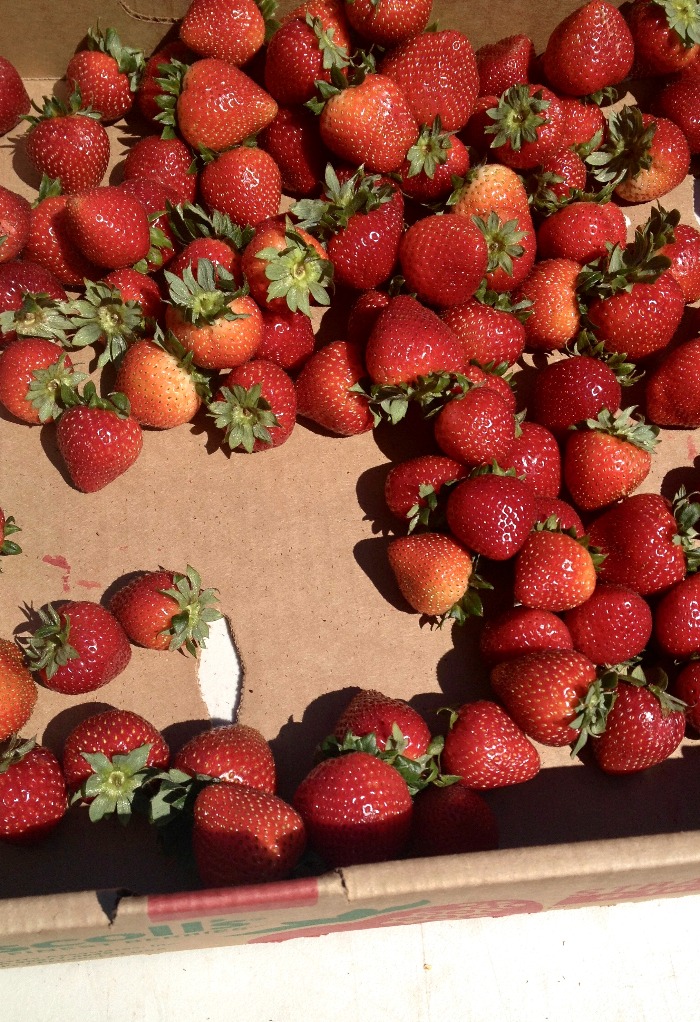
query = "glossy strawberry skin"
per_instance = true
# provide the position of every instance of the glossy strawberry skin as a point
(109, 226)
(51, 245)
(554, 318)
(429, 189)
(684, 253)
(451, 821)
(143, 611)
(553, 571)
(640, 322)
(658, 48)
(103, 87)
(220, 105)
(17, 687)
(670, 163)
(637, 734)
(101, 644)
(431, 569)
(74, 148)
(222, 344)
(612, 626)
(245, 183)
(161, 393)
(229, 31)
(32, 797)
(14, 223)
(522, 630)
(294, 61)
(686, 687)
(486, 334)
(571, 390)
(216, 250)
(672, 395)
(22, 276)
(18, 362)
(391, 23)
(371, 712)
(443, 258)
(112, 732)
(356, 809)
(486, 749)
(14, 101)
(588, 50)
(293, 139)
(235, 753)
(323, 390)
(491, 515)
(507, 62)
(580, 231)
(410, 340)
(677, 619)
(600, 469)
(536, 459)
(549, 135)
(97, 445)
(168, 160)
(679, 101)
(277, 389)
(288, 339)
(476, 429)
(404, 480)
(565, 514)
(365, 252)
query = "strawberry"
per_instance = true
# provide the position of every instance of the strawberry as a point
(97, 438)
(244, 836)
(608, 458)
(68, 142)
(255, 406)
(364, 313)
(559, 179)
(581, 231)
(140, 288)
(408, 340)
(535, 458)
(573, 390)
(584, 124)
(476, 428)
(588, 50)
(491, 188)
(526, 126)
(640, 321)
(212, 317)
(514, 633)
(149, 89)
(50, 243)
(109, 226)
(19, 691)
(507, 62)
(542, 692)
(390, 22)
(206, 236)
(32, 371)
(325, 390)
(162, 386)
(288, 339)
(412, 487)
(355, 808)
(14, 223)
(32, 792)
(302, 52)
(686, 687)
(612, 626)
(14, 98)
(213, 104)
(443, 259)
(166, 610)
(230, 31)
(553, 571)
(643, 728)
(554, 318)
(154, 198)
(491, 514)
(566, 517)
(432, 570)
(286, 267)
(371, 712)
(79, 647)
(671, 395)
(168, 160)
(487, 334)
(676, 619)
(684, 253)
(435, 158)
(8, 527)
(451, 821)
(666, 34)
(23, 277)
(235, 753)
(486, 749)
(678, 101)
(102, 318)
(106, 74)
(293, 139)
(245, 183)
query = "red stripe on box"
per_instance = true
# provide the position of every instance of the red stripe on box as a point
(223, 900)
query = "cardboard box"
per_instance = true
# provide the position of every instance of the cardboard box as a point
(295, 540)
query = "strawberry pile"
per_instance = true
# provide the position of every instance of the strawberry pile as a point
(467, 215)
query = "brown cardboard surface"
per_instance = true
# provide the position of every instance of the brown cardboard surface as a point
(295, 541)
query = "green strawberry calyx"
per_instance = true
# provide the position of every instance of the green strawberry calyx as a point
(130, 61)
(244, 415)
(361, 193)
(46, 385)
(627, 148)
(196, 609)
(683, 17)
(207, 298)
(52, 107)
(188, 222)
(332, 53)
(38, 316)
(102, 316)
(470, 604)
(586, 343)
(687, 514)
(503, 240)
(170, 81)
(624, 426)
(591, 713)
(69, 397)
(13, 750)
(49, 647)
(518, 117)
(341, 78)
(115, 785)
(159, 243)
(10, 528)
(297, 273)
(503, 301)
(552, 524)
(430, 150)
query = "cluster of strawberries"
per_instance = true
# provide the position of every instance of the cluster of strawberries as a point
(468, 208)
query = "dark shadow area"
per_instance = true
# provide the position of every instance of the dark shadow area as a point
(372, 557)
(684, 475)
(47, 438)
(410, 438)
(179, 733)
(60, 726)
(370, 497)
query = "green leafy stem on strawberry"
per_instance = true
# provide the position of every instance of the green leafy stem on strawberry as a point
(360, 193)
(206, 297)
(390, 402)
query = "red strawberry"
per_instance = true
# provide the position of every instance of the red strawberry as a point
(526, 126)
(69, 143)
(79, 647)
(244, 836)
(14, 98)
(492, 188)
(160, 383)
(356, 809)
(553, 571)
(589, 50)
(505, 63)
(244, 183)
(14, 223)
(684, 253)
(371, 712)
(432, 570)
(572, 390)
(97, 439)
(206, 236)
(412, 487)
(677, 619)
(408, 340)
(443, 259)
(32, 371)
(451, 821)
(19, 691)
(640, 321)
(608, 458)
(686, 687)
(672, 397)
(137, 287)
(255, 406)
(491, 514)
(560, 178)
(584, 124)
(109, 226)
(642, 729)
(293, 139)
(154, 198)
(476, 428)
(304, 51)
(286, 267)
(21, 277)
(535, 458)
(581, 231)
(51, 246)
(514, 633)
(232, 31)
(666, 35)
(149, 89)
(324, 390)
(390, 22)
(106, 74)
(565, 516)
(166, 610)
(554, 318)
(487, 334)
(364, 314)
(435, 158)
(679, 101)
(542, 693)
(32, 793)
(235, 753)
(168, 160)
(612, 626)
(486, 749)
(288, 339)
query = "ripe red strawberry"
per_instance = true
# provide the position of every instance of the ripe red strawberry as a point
(560, 178)
(477, 428)
(408, 340)
(79, 647)
(677, 620)
(514, 633)
(589, 50)
(149, 89)
(371, 712)
(168, 160)
(584, 124)
(492, 188)
(679, 101)
(288, 339)
(612, 626)
(14, 98)
(505, 63)
(572, 390)
(638, 322)
(160, 383)
(166, 610)
(109, 226)
(18, 688)
(672, 396)
(491, 514)
(206, 236)
(487, 334)
(608, 458)
(684, 253)
(32, 370)
(525, 126)
(553, 571)
(565, 516)
(355, 808)
(486, 749)
(109, 757)
(432, 570)
(438, 73)
(293, 139)
(154, 197)
(642, 729)
(364, 313)
(535, 458)
(324, 390)
(255, 406)
(412, 487)
(23, 277)
(581, 231)
(232, 31)
(554, 317)
(106, 73)
(302, 52)
(32, 792)
(69, 143)
(97, 438)
(245, 183)
(14, 223)
(666, 35)
(50, 243)
(286, 267)
(443, 259)
(542, 692)
(244, 836)
(451, 821)
(435, 158)
(236, 753)
(686, 687)
(140, 288)
(390, 22)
